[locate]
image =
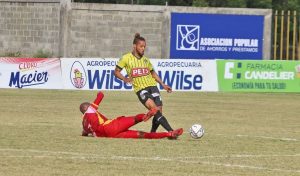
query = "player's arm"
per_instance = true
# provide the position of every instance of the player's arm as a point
(118, 74)
(98, 100)
(120, 65)
(157, 79)
(84, 133)
(90, 124)
(85, 129)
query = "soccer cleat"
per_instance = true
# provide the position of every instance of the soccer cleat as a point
(174, 134)
(149, 114)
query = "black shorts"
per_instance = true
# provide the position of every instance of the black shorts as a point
(150, 92)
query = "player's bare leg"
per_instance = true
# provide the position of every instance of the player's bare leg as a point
(158, 118)
(149, 114)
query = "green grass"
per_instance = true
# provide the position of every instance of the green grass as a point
(246, 134)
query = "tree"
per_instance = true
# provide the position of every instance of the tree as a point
(180, 2)
(259, 4)
(217, 3)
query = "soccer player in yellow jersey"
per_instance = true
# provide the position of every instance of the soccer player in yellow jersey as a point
(144, 80)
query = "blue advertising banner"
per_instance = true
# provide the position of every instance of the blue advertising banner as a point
(211, 36)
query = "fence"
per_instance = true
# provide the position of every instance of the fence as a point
(286, 35)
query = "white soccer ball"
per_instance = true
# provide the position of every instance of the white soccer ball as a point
(196, 131)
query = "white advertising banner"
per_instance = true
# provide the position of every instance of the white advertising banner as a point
(91, 74)
(98, 73)
(187, 74)
(39, 73)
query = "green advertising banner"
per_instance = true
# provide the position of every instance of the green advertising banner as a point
(258, 76)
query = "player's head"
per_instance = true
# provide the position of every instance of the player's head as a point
(84, 106)
(139, 44)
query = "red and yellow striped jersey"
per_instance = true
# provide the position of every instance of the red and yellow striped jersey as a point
(94, 122)
(139, 70)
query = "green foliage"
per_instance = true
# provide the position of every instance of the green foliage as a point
(263, 4)
(226, 3)
(200, 3)
(143, 2)
(150, 2)
(237, 3)
(180, 2)
(274, 4)
(293, 5)
(42, 54)
(12, 54)
(234, 3)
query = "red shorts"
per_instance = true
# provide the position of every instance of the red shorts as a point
(118, 126)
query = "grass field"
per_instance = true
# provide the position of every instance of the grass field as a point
(246, 134)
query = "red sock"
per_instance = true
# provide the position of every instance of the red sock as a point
(139, 117)
(97, 101)
(140, 134)
(154, 135)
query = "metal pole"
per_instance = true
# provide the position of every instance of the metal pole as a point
(288, 36)
(294, 34)
(299, 40)
(281, 34)
(275, 36)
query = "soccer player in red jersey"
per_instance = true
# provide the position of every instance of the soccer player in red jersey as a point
(98, 125)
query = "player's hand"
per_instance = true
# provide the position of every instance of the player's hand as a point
(84, 133)
(128, 81)
(167, 88)
(100, 94)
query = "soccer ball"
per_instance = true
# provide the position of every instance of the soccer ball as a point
(196, 131)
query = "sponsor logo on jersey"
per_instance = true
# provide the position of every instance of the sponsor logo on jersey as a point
(137, 72)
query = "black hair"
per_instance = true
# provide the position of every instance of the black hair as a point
(138, 37)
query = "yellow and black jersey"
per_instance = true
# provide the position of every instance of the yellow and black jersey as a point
(139, 70)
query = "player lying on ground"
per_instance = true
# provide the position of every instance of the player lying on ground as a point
(96, 124)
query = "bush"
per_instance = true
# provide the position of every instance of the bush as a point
(12, 54)
(42, 54)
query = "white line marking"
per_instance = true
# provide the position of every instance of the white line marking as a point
(86, 156)
(249, 136)
(263, 137)
(241, 156)
(245, 166)
(45, 151)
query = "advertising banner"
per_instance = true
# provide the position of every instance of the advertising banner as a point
(91, 74)
(37, 73)
(98, 73)
(187, 75)
(259, 76)
(211, 36)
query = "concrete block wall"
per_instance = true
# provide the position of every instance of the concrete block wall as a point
(27, 27)
(95, 30)
(108, 30)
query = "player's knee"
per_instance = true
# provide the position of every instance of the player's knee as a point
(141, 134)
(158, 114)
(138, 118)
